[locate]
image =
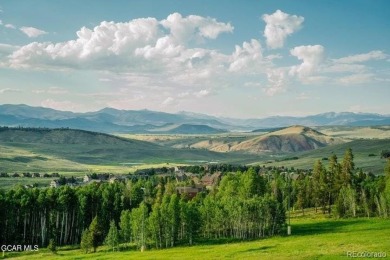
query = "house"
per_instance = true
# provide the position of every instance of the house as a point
(290, 175)
(54, 184)
(117, 179)
(178, 170)
(189, 191)
(113, 179)
(210, 180)
(294, 176)
(87, 178)
(180, 176)
(195, 179)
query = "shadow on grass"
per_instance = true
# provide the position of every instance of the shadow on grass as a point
(329, 226)
(262, 248)
(219, 241)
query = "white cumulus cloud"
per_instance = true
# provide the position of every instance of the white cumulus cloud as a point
(311, 57)
(185, 29)
(31, 31)
(165, 47)
(278, 26)
(245, 56)
(143, 44)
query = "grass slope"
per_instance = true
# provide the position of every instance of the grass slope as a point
(68, 150)
(313, 237)
(366, 155)
(350, 132)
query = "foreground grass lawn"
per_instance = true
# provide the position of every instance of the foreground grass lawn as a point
(313, 237)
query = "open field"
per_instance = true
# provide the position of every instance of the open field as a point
(9, 182)
(68, 157)
(314, 236)
(185, 141)
(349, 132)
(64, 150)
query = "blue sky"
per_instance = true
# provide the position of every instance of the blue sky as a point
(238, 59)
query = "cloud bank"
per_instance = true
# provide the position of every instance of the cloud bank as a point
(169, 57)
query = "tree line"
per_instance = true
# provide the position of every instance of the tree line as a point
(141, 213)
(147, 213)
(343, 188)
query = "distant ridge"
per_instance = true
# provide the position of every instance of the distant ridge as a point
(110, 120)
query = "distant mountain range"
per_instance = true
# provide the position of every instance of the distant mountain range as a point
(109, 120)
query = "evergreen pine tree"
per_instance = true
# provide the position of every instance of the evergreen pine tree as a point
(112, 238)
(95, 231)
(86, 241)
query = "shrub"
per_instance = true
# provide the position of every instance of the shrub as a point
(52, 245)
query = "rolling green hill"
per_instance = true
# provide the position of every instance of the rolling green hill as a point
(71, 150)
(67, 150)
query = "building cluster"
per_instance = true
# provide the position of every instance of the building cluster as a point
(195, 183)
(187, 183)
(88, 178)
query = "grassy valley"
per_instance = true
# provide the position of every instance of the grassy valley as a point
(67, 150)
(295, 146)
(76, 150)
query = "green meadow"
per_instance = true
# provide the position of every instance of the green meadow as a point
(314, 236)
(366, 155)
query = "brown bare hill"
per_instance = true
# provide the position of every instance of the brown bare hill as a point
(291, 139)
